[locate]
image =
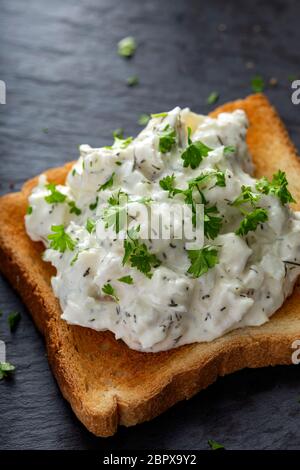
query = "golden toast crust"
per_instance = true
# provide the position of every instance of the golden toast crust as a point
(107, 383)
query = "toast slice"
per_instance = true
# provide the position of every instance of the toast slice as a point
(107, 383)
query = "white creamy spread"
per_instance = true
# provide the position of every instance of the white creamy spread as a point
(250, 280)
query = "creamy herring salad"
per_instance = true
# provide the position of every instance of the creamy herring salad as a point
(155, 294)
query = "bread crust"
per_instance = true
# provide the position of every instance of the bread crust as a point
(107, 383)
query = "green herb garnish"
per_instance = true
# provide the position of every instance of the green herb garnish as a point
(126, 279)
(138, 255)
(108, 184)
(247, 195)
(119, 141)
(202, 260)
(277, 187)
(214, 445)
(127, 47)
(108, 289)
(212, 224)
(6, 369)
(252, 220)
(167, 138)
(90, 225)
(159, 115)
(56, 196)
(257, 84)
(132, 81)
(229, 149)
(143, 119)
(29, 210)
(194, 153)
(73, 208)
(213, 97)
(13, 320)
(60, 240)
(93, 205)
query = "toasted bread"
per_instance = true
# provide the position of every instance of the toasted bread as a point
(107, 383)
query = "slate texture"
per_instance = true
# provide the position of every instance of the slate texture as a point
(66, 85)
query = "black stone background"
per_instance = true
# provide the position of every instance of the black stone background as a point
(63, 74)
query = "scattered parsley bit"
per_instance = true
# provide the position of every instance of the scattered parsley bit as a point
(73, 261)
(257, 84)
(202, 260)
(6, 369)
(277, 187)
(56, 196)
(115, 216)
(127, 47)
(212, 224)
(73, 208)
(108, 184)
(13, 320)
(143, 119)
(247, 195)
(213, 97)
(194, 153)
(168, 184)
(108, 289)
(45, 130)
(118, 133)
(252, 220)
(29, 210)
(74, 172)
(126, 279)
(132, 81)
(214, 445)
(93, 205)
(60, 240)
(119, 141)
(167, 138)
(90, 225)
(229, 149)
(138, 255)
(159, 115)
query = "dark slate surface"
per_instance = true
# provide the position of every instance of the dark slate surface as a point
(62, 73)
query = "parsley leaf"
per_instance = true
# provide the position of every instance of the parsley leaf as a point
(127, 47)
(13, 320)
(202, 260)
(29, 210)
(277, 187)
(229, 149)
(159, 115)
(56, 196)
(213, 97)
(108, 289)
(212, 224)
(138, 254)
(108, 184)
(6, 369)
(73, 208)
(168, 184)
(167, 138)
(132, 81)
(194, 153)
(115, 216)
(214, 445)
(93, 205)
(90, 225)
(60, 240)
(257, 84)
(247, 195)
(252, 220)
(119, 141)
(143, 119)
(126, 279)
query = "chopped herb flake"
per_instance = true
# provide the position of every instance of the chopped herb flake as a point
(13, 320)
(257, 84)
(60, 240)
(202, 260)
(6, 369)
(167, 138)
(56, 196)
(108, 289)
(126, 279)
(213, 97)
(127, 47)
(143, 119)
